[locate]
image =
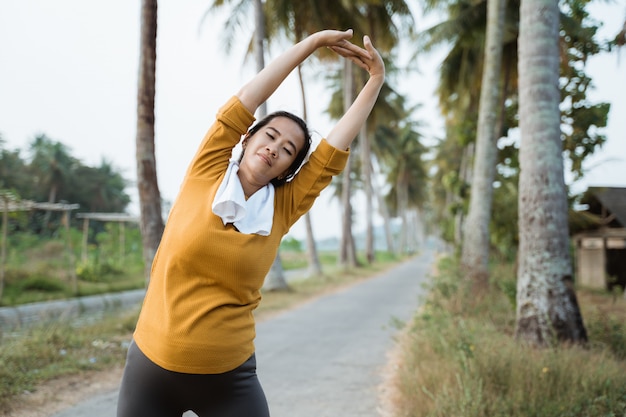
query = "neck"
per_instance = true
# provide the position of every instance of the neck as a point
(248, 187)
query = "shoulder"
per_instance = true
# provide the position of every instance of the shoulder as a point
(329, 157)
(235, 115)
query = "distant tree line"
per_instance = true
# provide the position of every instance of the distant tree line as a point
(47, 172)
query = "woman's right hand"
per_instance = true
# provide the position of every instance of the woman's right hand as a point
(330, 38)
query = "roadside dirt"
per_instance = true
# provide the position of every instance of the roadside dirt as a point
(58, 394)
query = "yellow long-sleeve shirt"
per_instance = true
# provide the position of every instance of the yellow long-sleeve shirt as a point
(197, 316)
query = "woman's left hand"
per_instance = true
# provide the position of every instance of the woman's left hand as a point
(369, 59)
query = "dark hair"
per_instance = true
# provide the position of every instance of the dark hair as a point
(293, 168)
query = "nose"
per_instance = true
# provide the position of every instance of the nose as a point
(271, 148)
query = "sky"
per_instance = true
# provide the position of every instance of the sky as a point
(68, 69)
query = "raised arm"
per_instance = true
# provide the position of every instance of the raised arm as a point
(263, 84)
(346, 129)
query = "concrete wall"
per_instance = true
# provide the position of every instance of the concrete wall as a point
(41, 313)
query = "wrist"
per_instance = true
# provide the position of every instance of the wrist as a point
(377, 79)
(315, 40)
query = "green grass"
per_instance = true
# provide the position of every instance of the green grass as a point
(459, 358)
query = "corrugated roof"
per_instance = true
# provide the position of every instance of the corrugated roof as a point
(612, 199)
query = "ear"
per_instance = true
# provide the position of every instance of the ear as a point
(244, 142)
(284, 175)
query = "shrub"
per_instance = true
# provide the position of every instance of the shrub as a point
(460, 359)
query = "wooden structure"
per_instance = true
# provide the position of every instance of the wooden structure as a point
(601, 250)
(10, 204)
(120, 218)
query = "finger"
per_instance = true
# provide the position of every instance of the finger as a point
(349, 55)
(354, 49)
(359, 62)
(343, 51)
(369, 46)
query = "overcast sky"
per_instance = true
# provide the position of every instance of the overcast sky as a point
(68, 69)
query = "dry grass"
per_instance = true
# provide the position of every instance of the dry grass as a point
(459, 359)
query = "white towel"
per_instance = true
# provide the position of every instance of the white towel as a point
(252, 216)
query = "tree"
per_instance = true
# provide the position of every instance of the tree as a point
(398, 152)
(296, 20)
(151, 220)
(406, 174)
(459, 89)
(459, 86)
(547, 308)
(98, 189)
(13, 170)
(475, 251)
(50, 167)
(275, 280)
(385, 22)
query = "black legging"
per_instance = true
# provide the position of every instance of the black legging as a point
(151, 391)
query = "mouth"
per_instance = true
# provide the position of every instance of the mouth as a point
(265, 159)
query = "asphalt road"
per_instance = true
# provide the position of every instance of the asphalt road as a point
(325, 358)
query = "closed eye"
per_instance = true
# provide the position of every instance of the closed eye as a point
(290, 148)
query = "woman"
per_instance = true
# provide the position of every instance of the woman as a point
(193, 348)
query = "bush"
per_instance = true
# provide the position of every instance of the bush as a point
(42, 284)
(460, 359)
(92, 272)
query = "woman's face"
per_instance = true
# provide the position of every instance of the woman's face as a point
(272, 150)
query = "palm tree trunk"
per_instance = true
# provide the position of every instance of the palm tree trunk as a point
(315, 266)
(384, 212)
(149, 195)
(547, 309)
(347, 254)
(464, 175)
(275, 278)
(402, 198)
(52, 196)
(259, 49)
(366, 163)
(475, 249)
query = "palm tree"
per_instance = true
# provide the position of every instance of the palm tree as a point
(547, 309)
(460, 85)
(296, 20)
(275, 279)
(461, 72)
(51, 165)
(475, 250)
(406, 172)
(99, 189)
(147, 184)
(386, 22)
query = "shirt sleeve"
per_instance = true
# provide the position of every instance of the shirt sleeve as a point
(232, 122)
(297, 196)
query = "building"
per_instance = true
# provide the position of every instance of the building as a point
(600, 254)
